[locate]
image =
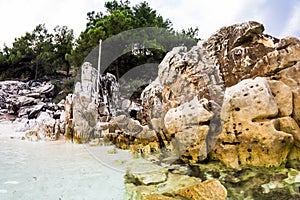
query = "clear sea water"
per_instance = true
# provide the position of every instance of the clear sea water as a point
(59, 170)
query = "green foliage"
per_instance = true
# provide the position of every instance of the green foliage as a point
(63, 44)
(3, 60)
(42, 52)
(37, 54)
(191, 32)
(145, 37)
(134, 87)
(62, 89)
(120, 17)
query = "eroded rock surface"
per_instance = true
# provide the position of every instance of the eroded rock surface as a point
(244, 128)
(186, 125)
(31, 108)
(234, 96)
(250, 137)
(91, 103)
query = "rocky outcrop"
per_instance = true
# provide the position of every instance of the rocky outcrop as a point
(244, 126)
(26, 99)
(91, 103)
(30, 106)
(233, 97)
(266, 111)
(44, 127)
(232, 100)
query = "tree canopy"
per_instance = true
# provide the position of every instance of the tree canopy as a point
(119, 17)
(42, 52)
(37, 53)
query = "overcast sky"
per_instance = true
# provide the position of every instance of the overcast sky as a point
(280, 17)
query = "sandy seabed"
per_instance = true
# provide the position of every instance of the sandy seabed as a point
(58, 170)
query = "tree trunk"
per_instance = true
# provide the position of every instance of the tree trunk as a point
(36, 71)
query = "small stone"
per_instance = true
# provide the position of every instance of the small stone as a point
(112, 151)
(94, 142)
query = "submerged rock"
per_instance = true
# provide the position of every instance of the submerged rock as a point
(145, 180)
(210, 189)
(146, 173)
(252, 182)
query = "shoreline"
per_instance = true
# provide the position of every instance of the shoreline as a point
(59, 169)
(7, 131)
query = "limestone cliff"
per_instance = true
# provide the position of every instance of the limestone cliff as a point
(234, 97)
(248, 81)
(233, 100)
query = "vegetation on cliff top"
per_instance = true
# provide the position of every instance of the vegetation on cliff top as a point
(43, 52)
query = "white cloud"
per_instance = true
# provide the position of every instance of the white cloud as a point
(210, 15)
(13, 19)
(293, 24)
(17, 17)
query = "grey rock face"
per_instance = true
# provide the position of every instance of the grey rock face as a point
(24, 100)
(92, 102)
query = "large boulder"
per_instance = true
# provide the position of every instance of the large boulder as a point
(91, 103)
(223, 60)
(186, 126)
(152, 102)
(250, 137)
(44, 127)
(210, 189)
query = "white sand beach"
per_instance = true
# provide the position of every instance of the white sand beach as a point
(58, 170)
